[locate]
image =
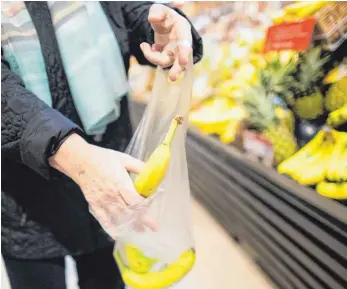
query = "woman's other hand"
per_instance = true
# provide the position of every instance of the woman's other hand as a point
(102, 175)
(172, 40)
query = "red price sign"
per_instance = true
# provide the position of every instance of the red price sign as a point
(290, 36)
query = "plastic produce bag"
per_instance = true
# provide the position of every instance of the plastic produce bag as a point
(156, 260)
(188, 282)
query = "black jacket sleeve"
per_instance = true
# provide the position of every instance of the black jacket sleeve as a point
(140, 30)
(31, 131)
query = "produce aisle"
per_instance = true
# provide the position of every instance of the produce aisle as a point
(267, 144)
(296, 236)
(221, 263)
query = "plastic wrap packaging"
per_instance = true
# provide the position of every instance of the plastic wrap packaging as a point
(158, 259)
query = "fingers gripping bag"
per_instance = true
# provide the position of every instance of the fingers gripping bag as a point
(159, 259)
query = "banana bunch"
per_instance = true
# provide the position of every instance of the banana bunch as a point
(299, 10)
(137, 270)
(322, 162)
(337, 117)
(218, 115)
(308, 165)
(304, 9)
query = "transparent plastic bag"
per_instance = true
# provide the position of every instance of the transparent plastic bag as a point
(156, 260)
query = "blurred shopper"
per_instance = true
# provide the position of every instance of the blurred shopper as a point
(64, 125)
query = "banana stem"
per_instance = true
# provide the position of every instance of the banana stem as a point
(170, 134)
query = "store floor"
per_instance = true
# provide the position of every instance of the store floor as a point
(221, 264)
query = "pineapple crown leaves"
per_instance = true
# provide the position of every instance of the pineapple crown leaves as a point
(310, 69)
(260, 107)
(277, 77)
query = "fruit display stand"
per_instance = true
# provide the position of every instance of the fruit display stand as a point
(296, 236)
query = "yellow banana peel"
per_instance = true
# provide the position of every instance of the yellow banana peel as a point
(157, 280)
(332, 190)
(153, 173)
(215, 122)
(137, 261)
(337, 117)
(336, 74)
(228, 136)
(291, 165)
(304, 8)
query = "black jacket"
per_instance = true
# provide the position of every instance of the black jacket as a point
(43, 212)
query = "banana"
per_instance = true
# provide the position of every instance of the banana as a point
(228, 136)
(313, 171)
(331, 168)
(336, 74)
(332, 190)
(213, 115)
(304, 8)
(300, 168)
(337, 117)
(291, 164)
(322, 163)
(295, 7)
(137, 261)
(342, 170)
(338, 160)
(236, 118)
(213, 121)
(283, 18)
(332, 76)
(311, 10)
(153, 173)
(170, 275)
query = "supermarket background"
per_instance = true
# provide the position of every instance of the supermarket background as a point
(267, 144)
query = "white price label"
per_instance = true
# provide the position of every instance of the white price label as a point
(255, 145)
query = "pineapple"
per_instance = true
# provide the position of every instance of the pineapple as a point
(277, 78)
(336, 96)
(286, 117)
(261, 112)
(308, 97)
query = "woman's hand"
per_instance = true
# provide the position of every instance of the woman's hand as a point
(172, 40)
(102, 175)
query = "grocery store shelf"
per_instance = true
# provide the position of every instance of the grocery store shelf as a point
(302, 242)
(296, 236)
(264, 173)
